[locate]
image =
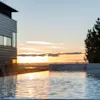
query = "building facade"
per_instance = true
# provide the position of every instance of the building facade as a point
(8, 34)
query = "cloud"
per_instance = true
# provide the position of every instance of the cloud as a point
(27, 48)
(43, 43)
(41, 47)
(40, 42)
(55, 47)
(21, 44)
(29, 53)
(32, 49)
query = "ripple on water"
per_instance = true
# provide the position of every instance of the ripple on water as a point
(45, 85)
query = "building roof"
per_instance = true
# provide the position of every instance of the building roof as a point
(4, 6)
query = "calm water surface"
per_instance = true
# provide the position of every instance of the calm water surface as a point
(70, 85)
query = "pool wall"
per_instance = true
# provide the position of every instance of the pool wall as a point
(74, 67)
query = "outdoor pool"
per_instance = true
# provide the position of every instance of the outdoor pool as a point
(50, 85)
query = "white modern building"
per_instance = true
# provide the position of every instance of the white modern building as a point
(8, 34)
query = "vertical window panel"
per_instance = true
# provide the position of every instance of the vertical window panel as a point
(14, 39)
(7, 41)
(1, 40)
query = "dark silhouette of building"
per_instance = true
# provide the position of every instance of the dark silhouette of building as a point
(8, 34)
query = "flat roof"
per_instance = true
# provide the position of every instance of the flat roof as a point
(4, 6)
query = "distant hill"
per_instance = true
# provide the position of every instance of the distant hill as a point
(50, 54)
(72, 53)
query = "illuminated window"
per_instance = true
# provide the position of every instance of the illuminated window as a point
(1, 40)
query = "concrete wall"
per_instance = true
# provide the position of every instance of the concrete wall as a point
(91, 69)
(93, 66)
(69, 67)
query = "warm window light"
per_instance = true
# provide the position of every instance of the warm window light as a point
(14, 61)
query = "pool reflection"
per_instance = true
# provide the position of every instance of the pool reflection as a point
(47, 85)
(32, 85)
(8, 86)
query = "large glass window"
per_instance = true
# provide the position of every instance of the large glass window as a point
(1, 40)
(7, 41)
(14, 39)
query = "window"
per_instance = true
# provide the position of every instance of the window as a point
(7, 41)
(1, 40)
(14, 39)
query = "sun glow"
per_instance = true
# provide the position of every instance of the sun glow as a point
(30, 59)
(28, 80)
(78, 58)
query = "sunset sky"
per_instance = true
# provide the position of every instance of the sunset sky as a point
(53, 25)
